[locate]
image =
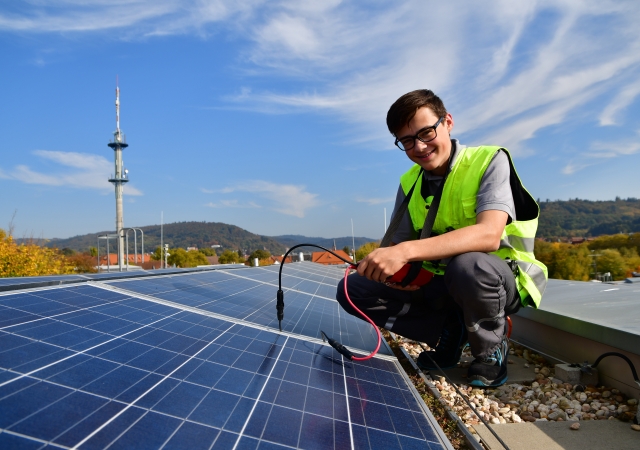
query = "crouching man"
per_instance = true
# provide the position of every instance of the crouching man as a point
(479, 248)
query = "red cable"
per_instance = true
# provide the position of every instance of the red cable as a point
(375, 327)
(510, 327)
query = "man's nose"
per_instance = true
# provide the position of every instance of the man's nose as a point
(419, 146)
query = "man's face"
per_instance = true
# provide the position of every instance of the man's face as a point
(432, 156)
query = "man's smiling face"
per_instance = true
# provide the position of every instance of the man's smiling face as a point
(432, 156)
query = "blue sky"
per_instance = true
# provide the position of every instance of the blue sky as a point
(270, 115)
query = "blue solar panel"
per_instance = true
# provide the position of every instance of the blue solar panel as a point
(242, 294)
(90, 367)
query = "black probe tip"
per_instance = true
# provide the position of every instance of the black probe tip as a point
(344, 351)
(280, 324)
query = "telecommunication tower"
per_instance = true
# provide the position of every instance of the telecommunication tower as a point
(119, 179)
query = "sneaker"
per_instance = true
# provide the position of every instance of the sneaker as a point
(492, 370)
(449, 349)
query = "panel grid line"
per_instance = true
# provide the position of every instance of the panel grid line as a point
(145, 393)
(260, 395)
(195, 360)
(226, 318)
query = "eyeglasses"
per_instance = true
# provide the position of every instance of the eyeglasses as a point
(427, 134)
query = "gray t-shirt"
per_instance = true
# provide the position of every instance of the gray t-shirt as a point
(494, 193)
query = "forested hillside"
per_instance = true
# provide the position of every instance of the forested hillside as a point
(289, 240)
(205, 234)
(588, 218)
(183, 235)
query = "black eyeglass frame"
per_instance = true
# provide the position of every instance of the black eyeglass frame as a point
(416, 136)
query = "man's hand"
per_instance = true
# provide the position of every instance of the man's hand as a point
(382, 263)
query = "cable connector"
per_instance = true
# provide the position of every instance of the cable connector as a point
(344, 351)
(280, 307)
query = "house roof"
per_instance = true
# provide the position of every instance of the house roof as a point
(329, 259)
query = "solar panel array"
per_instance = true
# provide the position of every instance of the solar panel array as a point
(195, 360)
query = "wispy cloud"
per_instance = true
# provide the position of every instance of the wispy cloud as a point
(613, 149)
(502, 85)
(506, 69)
(285, 198)
(232, 204)
(92, 171)
(626, 96)
(375, 201)
(600, 151)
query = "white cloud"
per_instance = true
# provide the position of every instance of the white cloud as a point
(232, 204)
(613, 149)
(92, 172)
(625, 97)
(505, 69)
(573, 167)
(375, 201)
(602, 150)
(285, 198)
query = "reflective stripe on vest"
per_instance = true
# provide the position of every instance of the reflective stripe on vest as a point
(458, 210)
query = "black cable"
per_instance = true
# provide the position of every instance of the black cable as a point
(631, 366)
(486, 424)
(280, 294)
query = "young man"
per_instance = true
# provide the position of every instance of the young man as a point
(480, 249)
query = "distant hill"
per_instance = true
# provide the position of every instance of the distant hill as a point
(577, 217)
(289, 240)
(558, 219)
(205, 234)
(183, 235)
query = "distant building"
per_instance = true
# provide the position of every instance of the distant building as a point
(278, 259)
(192, 248)
(113, 259)
(328, 259)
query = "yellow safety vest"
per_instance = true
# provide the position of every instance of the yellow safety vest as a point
(458, 210)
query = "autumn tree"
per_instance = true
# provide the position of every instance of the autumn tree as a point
(264, 258)
(182, 258)
(27, 260)
(564, 261)
(230, 257)
(83, 263)
(365, 249)
(610, 260)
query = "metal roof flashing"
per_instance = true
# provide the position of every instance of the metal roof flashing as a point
(608, 313)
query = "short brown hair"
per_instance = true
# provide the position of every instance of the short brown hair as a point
(403, 110)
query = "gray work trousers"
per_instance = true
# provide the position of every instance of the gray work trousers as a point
(478, 287)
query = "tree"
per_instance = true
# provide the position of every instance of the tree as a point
(610, 260)
(93, 251)
(229, 257)
(182, 258)
(30, 260)
(157, 254)
(564, 261)
(365, 249)
(260, 254)
(346, 249)
(240, 255)
(264, 258)
(207, 251)
(83, 263)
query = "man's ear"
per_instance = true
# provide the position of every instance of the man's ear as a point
(448, 122)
